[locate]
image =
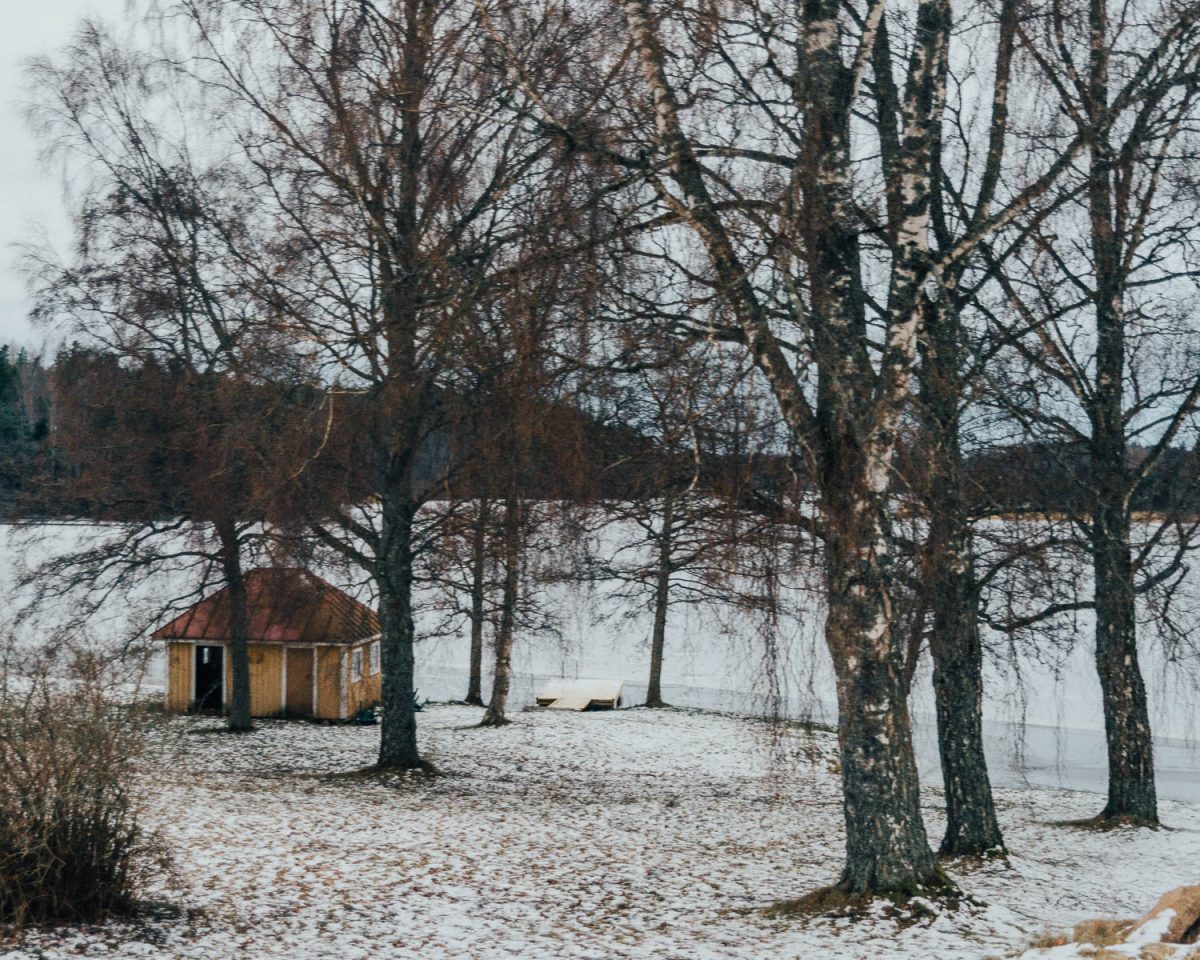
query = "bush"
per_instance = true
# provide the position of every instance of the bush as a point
(71, 846)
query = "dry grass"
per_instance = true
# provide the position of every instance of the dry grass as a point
(1108, 824)
(825, 901)
(1105, 932)
(1048, 939)
(388, 777)
(904, 906)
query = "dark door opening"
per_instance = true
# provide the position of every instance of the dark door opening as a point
(210, 677)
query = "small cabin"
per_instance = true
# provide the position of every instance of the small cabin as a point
(314, 650)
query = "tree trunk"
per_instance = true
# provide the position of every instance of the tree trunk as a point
(239, 629)
(502, 671)
(948, 574)
(662, 602)
(1131, 786)
(405, 398)
(478, 571)
(398, 732)
(972, 828)
(887, 849)
(858, 416)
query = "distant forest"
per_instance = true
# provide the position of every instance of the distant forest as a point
(1036, 478)
(26, 445)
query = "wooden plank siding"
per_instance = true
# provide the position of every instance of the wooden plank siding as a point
(337, 695)
(365, 692)
(179, 676)
(329, 683)
(300, 674)
(266, 679)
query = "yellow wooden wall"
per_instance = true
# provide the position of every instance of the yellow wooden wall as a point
(266, 679)
(364, 692)
(329, 683)
(179, 676)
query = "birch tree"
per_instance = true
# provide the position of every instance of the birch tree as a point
(949, 587)
(521, 377)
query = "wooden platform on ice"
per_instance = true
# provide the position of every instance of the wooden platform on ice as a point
(580, 694)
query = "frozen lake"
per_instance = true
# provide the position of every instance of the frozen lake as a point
(1019, 754)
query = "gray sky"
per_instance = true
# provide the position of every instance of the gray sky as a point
(29, 194)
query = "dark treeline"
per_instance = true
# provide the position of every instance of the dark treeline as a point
(39, 477)
(25, 445)
(1053, 478)
(109, 415)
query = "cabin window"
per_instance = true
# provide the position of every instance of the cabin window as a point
(356, 665)
(375, 661)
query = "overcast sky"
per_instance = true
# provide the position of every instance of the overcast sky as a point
(29, 195)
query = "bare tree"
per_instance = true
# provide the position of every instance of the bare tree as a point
(948, 592)
(525, 382)
(393, 185)
(459, 564)
(147, 285)
(1093, 305)
(679, 534)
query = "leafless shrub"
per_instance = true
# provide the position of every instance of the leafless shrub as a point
(72, 845)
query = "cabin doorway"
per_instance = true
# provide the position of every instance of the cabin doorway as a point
(299, 682)
(210, 678)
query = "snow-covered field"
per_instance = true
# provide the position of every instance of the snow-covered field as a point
(635, 833)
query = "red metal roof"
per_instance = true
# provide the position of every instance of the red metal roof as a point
(285, 605)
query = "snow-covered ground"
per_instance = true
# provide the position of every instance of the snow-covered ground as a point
(627, 834)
